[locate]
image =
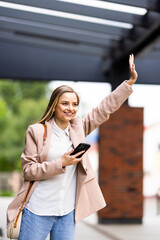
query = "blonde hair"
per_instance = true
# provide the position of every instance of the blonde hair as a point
(49, 112)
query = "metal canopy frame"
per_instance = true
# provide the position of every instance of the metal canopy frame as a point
(79, 50)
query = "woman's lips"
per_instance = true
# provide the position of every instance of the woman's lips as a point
(68, 113)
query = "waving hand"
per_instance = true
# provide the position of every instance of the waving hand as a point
(133, 73)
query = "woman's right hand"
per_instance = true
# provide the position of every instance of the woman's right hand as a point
(71, 160)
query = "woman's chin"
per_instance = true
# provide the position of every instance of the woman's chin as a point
(68, 118)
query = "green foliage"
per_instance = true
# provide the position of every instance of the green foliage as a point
(4, 114)
(6, 193)
(21, 104)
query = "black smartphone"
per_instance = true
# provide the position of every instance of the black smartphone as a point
(81, 147)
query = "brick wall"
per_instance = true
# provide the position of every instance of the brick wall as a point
(120, 165)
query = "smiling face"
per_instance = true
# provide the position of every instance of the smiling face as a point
(66, 109)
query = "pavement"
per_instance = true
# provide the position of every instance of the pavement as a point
(89, 229)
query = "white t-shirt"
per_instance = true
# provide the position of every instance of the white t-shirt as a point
(56, 195)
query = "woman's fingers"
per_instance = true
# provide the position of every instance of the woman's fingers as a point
(131, 64)
(133, 73)
(68, 159)
(68, 153)
(78, 154)
(131, 60)
(75, 155)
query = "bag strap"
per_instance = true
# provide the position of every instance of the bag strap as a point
(29, 187)
(44, 135)
(15, 223)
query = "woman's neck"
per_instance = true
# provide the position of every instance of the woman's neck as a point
(61, 124)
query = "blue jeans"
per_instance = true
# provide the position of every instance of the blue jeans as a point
(35, 227)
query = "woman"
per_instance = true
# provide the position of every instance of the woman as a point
(64, 189)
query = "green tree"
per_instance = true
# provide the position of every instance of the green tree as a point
(21, 104)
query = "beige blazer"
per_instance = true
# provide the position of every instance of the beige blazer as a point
(35, 166)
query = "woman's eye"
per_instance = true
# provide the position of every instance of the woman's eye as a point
(74, 104)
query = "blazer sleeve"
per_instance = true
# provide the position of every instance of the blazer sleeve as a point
(106, 107)
(32, 169)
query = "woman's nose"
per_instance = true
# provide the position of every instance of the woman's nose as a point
(70, 107)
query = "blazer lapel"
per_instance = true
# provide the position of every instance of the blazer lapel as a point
(44, 153)
(77, 137)
(73, 134)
